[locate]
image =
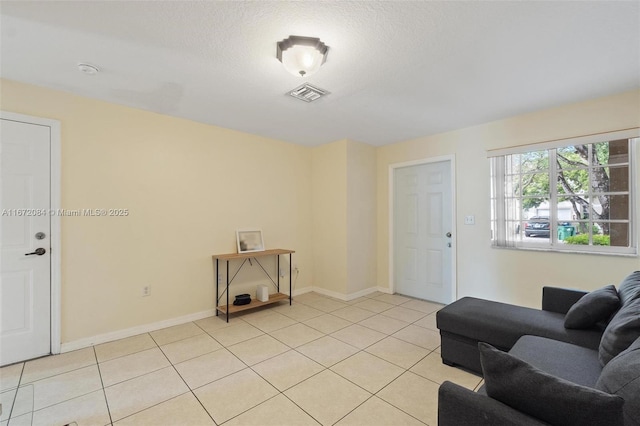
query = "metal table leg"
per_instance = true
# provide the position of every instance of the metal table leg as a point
(227, 291)
(216, 278)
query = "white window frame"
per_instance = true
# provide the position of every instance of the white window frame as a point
(500, 222)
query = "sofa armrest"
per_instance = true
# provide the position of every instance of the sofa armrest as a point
(560, 300)
(461, 406)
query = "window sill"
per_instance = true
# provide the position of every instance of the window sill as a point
(634, 253)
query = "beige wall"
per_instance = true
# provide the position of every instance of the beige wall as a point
(344, 218)
(329, 206)
(188, 187)
(361, 217)
(509, 275)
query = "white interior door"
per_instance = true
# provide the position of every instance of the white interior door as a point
(25, 231)
(422, 229)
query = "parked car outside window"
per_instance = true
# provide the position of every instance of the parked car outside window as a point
(537, 226)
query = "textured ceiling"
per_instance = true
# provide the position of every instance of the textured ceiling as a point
(395, 70)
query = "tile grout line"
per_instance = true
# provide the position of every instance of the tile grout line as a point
(133, 378)
(172, 365)
(294, 403)
(15, 397)
(220, 378)
(268, 399)
(191, 391)
(104, 391)
(31, 384)
(202, 405)
(393, 405)
(122, 356)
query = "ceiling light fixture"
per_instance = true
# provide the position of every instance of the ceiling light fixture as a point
(88, 69)
(302, 56)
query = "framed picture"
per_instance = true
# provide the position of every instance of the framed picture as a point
(249, 240)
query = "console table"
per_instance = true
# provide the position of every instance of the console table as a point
(273, 298)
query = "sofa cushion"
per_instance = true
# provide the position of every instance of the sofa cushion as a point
(527, 389)
(629, 288)
(459, 406)
(564, 360)
(622, 331)
(592, 308)
(621, 376)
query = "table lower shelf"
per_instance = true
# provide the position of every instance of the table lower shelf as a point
(273, 298)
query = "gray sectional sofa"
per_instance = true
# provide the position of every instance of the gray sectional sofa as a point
(575, 361)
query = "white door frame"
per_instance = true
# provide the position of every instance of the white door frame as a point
(55, 187)
(452, 161)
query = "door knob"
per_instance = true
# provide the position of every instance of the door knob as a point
(39, 251)
(449, 234)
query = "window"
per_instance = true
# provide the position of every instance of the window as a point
(572, 195)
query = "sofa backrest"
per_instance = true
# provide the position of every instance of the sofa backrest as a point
(624, 327)
(621, 376)
(629, 288)
(622, 331)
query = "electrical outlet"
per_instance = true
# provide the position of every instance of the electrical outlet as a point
(146, 290)
(219, 278)
(282, 272)
(469, 220)
(295, 269)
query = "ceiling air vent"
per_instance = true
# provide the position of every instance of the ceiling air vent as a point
(307, 93)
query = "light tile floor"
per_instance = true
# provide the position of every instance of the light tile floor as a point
(372, 361)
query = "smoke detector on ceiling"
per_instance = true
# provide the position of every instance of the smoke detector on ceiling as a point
(307, 93)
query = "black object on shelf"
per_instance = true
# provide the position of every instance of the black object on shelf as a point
(242, 299)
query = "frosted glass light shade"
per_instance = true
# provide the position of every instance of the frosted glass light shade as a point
(302, 56)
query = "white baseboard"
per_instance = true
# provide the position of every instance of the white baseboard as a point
(302, 291)
(334, 294)
(133, 331)
(342, 296)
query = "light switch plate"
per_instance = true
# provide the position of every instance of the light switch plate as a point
(470, 220)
